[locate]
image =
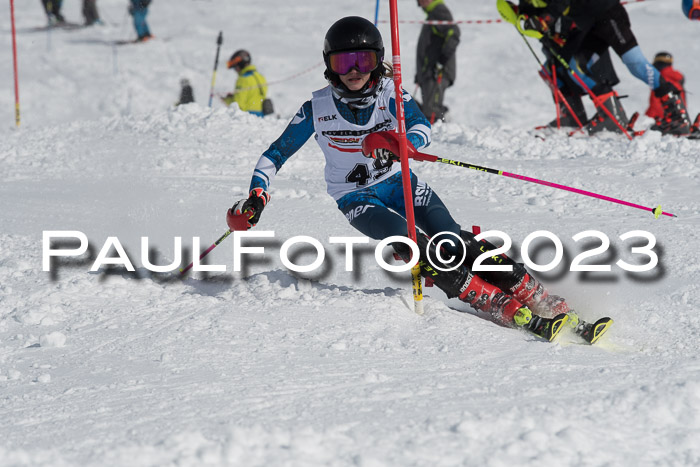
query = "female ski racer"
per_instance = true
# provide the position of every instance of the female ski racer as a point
(359, 100)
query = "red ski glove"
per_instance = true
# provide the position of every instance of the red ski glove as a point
(383, 155)
(249, 209)
(384, 145)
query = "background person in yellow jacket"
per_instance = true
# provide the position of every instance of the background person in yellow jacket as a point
(251, 86)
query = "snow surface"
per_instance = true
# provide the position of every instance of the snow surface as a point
(270, 367)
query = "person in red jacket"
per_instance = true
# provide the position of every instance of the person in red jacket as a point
(663, 61)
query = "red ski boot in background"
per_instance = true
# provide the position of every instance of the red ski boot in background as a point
(602, 121)
(675, 120)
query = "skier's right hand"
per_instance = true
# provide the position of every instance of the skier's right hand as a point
(541, 24)
(256, 202)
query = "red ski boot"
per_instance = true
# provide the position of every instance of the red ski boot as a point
(602, 121)
(487, 297)
(532, 294)
(483, 296)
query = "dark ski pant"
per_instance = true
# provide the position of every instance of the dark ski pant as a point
(614, 31)
(379, 212)
(53, 7)
(433, 94)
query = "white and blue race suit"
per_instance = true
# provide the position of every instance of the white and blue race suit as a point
(367, 191)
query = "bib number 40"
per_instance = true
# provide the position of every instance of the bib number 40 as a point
(361, 174)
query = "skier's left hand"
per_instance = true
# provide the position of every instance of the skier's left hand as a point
(383, 155)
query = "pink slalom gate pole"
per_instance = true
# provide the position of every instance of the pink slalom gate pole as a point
(419, 156)
(235, 222)
(403, 153)
(14, 60)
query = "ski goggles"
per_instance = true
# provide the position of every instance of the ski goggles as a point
(364, 61)
(234, 62)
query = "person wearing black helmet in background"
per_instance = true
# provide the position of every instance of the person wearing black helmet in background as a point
(53, 12)
(663, 61)
(251, 87)
(436, 67)
(360, 102)
(138, 9)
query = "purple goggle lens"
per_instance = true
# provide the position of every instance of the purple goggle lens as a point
(364, 61)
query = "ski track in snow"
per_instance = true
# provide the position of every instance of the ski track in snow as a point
(271, 367)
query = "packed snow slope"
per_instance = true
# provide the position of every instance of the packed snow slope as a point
(271, 367)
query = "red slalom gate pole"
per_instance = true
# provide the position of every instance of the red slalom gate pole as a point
(403, 153)
(14, 60)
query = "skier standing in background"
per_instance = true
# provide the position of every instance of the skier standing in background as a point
(565, 24)
(663, 61)
(138, 9)
(90, 12)
(360, 101)
(599, 74)
(53, 11)
(436, 67)
(251, 86)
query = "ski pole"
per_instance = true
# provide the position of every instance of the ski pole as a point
(556, 95)
(219, 41)
(206, 252)
(510, 16)
(431, 158)
(595, 98)
(240, 222)
(14, 61)
(438, 86)
(551, 81)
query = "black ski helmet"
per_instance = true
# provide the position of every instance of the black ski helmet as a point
(663, 60)
(239, 59)
(353, 33)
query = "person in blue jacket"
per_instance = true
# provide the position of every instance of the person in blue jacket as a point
(358, 101)
(138, 10)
